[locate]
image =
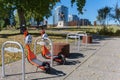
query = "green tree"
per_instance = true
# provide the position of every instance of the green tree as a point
(36, 8)
(116, 14)
(4, 14)
(80, 4)
(103, 14)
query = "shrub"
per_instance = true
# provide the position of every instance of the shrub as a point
(117, 33)
(106, 31)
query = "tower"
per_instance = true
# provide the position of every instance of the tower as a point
(60, 14)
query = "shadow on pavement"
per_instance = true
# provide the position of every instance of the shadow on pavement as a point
(54, 72)
(75, 55)
(72, 62)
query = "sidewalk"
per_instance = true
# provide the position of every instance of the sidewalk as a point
(97, 61)
(104, 64)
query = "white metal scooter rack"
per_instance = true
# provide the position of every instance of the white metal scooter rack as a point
(74, 36)
(40, 41)
(77, 36)
(16, 50)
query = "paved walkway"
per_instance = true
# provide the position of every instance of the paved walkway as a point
(104, 64)
(98, 61)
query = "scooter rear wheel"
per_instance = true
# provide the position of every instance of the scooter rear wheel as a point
(47, 67)
(62, 57)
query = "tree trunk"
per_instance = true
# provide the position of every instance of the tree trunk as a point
(22, 20)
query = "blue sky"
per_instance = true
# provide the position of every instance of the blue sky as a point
(90, 9)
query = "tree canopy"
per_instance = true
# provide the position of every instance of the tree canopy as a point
(116, 14)
(36, 8)
(103, 14)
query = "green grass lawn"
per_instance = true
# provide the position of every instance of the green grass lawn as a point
(14, 35)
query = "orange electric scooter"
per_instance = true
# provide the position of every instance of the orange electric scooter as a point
(45, 66)
(60, 58)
